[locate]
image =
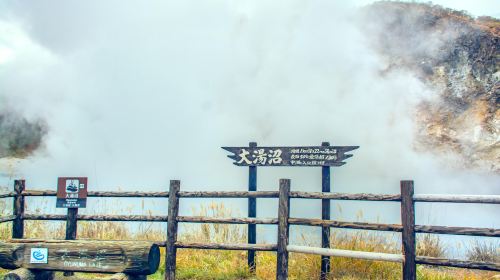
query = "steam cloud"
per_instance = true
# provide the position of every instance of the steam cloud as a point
(138, 94)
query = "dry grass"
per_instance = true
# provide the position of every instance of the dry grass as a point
(213, 264)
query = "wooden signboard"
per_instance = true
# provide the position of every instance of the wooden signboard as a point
(71, 192)
(290, 156)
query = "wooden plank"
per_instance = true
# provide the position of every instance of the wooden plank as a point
(200, 219)
(109, 218)
(283, 230)
(101, 193)
(9, 194)
(489, 232)
(469, 231)
(27, 274)
(173, 212)
(134, 257)
(290, 156)
(218, 246)
(18, 211)
(408, 235)
(7, 218)
(458, 263)
(456, 198)
(350, 225)
(346, 253)
(71, 228)
(252, 213)
(346, 196)
(325, 215)
(230, 194)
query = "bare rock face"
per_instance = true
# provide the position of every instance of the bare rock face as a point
(18, 136)
(457, 56)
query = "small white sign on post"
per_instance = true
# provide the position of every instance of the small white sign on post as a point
(39, 255)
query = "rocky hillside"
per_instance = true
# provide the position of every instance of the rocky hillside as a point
(455, 55)
(19, 136)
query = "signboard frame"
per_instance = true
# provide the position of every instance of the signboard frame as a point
(72, 192)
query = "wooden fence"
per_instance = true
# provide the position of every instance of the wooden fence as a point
(408, 228)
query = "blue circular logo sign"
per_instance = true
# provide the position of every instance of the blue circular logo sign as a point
(38, 256)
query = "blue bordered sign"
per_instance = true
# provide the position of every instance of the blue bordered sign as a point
(39, 255)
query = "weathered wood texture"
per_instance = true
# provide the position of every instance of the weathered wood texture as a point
(489, 232)
(470, 231)
(27, 274)
(173, 212)
(7, 218)
(71, 223)
(351, 225)
(283, 229)
(458, 263)
(218, 246)
(18, 210)
(452, 198)
(325, 215)
(109, 218)
(229, 194)
(100, 193)
(71, 229)
(483, 199)
(217, 220)
(346, 196)
(9, 194)
(408, 235)
(252, 212)
(133, 257)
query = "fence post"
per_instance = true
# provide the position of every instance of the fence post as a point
(252, 212)
(173, 212)
(408, 236)
(18, 210)
(325, 215)
(71, 229)
(283, 229)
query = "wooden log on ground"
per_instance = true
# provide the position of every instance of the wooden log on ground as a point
(27, 274)
(132, 257)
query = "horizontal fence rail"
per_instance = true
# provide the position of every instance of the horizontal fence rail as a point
(408, 228)
(346, 253)
(444, 198)
(483, 199)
